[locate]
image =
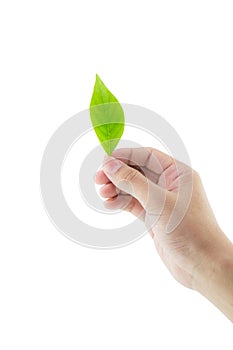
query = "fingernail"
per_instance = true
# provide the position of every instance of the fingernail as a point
(111, 165)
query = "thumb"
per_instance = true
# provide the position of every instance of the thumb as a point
(131, 181)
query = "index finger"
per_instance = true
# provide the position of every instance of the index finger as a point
(148, 157)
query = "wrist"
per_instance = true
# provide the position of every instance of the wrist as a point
(215, 254)
(213, 277)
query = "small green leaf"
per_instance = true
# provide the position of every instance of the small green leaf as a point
(107, 116)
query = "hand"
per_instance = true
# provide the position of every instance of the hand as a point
(169, 196)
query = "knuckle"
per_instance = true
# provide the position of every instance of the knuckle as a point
(150, 149)
(196, 175)
(131, 175)
(130, 206)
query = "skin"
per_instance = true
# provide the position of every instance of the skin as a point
(155, 187)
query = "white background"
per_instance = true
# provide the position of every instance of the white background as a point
(174, 57)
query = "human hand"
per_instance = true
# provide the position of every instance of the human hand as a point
(161, 188)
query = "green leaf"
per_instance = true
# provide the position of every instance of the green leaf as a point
(107, 116)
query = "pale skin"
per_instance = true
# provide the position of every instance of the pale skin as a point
(146, 182)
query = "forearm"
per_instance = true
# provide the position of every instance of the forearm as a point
(214, 277)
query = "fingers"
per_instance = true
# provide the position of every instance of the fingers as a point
(149, 161)
(101, 178)
(131, 181)
(127, 203)
(120, 201)
(150, 158)
(108, 191)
